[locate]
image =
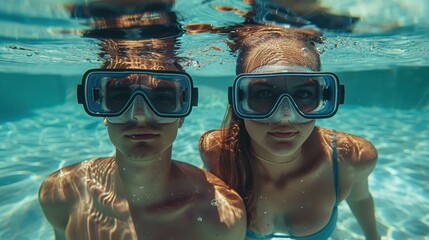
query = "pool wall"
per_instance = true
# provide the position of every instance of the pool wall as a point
(21, 93)
(402, 88)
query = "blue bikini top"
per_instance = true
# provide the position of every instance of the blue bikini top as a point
(325, 232)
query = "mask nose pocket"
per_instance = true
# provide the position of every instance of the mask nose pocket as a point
(285, 106)
(283, 111)
(139, 105)
(286, 111)
(139, 108)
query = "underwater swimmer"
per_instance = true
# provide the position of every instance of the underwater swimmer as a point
(140, 192)
(290, 173)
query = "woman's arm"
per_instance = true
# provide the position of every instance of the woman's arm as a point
(362, 157)
(362, 205)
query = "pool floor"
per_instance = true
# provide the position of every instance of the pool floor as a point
(36, 145)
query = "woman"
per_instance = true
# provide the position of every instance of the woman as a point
(290, 173)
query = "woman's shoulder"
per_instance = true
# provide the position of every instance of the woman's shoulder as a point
(210, 139)
(354, 152)
(351, 149)
(355, 148)
(209, 145)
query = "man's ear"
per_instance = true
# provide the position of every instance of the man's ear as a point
(181, 120)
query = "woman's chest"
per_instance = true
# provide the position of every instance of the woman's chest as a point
(299, 206)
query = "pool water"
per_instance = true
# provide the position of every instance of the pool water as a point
(384, 65)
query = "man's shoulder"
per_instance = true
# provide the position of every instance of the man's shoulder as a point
(199, 175)
(224, 209)
(61, 185)
(219, 193)
(203, 179)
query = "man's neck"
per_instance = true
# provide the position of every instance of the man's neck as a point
(143, 182)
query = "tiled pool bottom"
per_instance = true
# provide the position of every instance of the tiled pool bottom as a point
(35, 146)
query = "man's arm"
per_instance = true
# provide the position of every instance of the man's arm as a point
(55, 201)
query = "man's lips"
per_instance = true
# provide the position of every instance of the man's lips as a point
(141, 136)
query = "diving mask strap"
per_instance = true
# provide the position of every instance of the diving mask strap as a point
(277, 68)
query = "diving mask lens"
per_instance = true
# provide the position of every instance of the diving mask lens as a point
(309, 95)
(110, 93)
(137, 109)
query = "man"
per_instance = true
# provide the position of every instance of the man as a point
(140, 192)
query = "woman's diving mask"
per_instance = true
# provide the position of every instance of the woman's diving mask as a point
(296, 96)
(119, 95)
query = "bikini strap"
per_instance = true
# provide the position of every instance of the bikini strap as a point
(335, 167)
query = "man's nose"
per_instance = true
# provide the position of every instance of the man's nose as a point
(141, 110)
(140, 105)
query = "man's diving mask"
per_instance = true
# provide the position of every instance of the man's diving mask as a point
(296, 96)
(120, 94)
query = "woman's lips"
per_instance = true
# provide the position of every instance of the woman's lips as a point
(284, 135)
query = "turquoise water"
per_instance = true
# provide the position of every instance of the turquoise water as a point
(384, 65)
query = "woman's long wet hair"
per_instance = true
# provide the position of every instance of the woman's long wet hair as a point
(256, 46)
